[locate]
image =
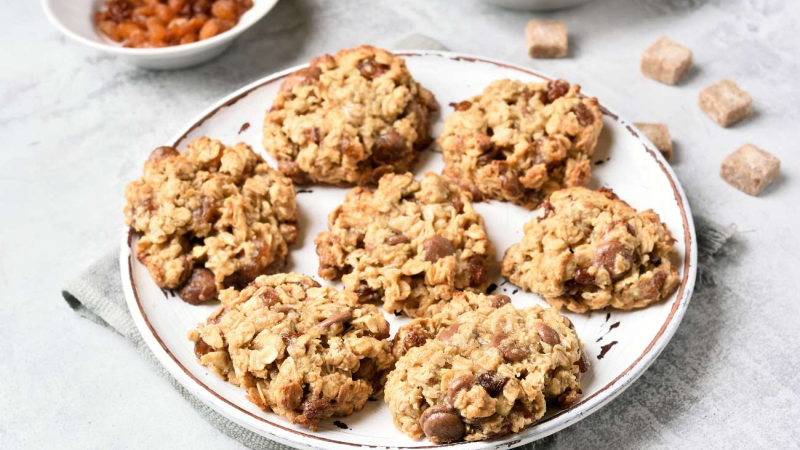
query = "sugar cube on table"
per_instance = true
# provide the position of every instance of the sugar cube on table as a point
(658, 133)
(724, 102)
(546, 38)
(750, 169)
(666, 61)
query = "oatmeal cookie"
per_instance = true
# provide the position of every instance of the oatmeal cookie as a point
(348, 119)
(300, 350)
(489, 371)
(589, 250)
(410, 243)
(519, 142)
(211, 217)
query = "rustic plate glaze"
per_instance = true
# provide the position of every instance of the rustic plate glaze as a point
(621, 345)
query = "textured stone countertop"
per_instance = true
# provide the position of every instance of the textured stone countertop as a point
(75, 124)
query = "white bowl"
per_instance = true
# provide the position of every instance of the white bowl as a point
(75, 18)
(537, 5)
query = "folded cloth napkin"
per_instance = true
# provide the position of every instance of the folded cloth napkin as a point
(97, 295)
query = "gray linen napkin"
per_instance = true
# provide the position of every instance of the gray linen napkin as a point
(97, 295)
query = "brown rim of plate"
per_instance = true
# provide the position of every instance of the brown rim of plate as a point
(678, 301)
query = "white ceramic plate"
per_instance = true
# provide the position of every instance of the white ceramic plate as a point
(621, 345)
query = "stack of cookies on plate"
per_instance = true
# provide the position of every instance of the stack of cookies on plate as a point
(216, 224)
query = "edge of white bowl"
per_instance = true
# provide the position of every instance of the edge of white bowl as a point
(175, 50)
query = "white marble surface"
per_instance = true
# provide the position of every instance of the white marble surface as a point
(75, 124)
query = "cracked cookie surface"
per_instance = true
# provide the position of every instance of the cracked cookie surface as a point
(519, 142)
(348, 119)
(479, 368)
(588, 250)
(411, 243)
(300, 350)
(211, 217)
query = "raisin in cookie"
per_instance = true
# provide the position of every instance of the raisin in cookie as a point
(211, 217)
(519, 142)
(349, 118)
(484, 369)
(589, 250)
(410, 243)
(300, 350)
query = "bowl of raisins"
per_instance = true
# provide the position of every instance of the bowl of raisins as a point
(157, 34)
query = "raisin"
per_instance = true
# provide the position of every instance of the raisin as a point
(500, 300)
(585, 115)
(300, 77)
(270, 297)
(200, 287)
(316, 409)
(476, 270)
(388, 147)
(224, 9)
(458, 204)
(556, 89)
(510, 185)
(494, 153)
(201, 348)
(313, 135)
(370, 68)
(396, 239)
(366, 294)
(415, 338)
(162, 153)
(583, 276)
(492, 382)
(160, 23)
(463, 106)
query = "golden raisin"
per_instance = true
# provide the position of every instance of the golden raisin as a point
(159, 23)
(176, 5)
(188, 39)
(109, 28)
(137, 37)
(178, 27)
(196, 23)
(125, 29)
(156, 31)
(151, 21)
(224, 9)
(164, 13)
(140, 15)
(210, 29)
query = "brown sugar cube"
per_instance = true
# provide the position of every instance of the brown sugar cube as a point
(724, 102)
(546, 38)
(750, 169)
(658, 133)
(666, 61)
